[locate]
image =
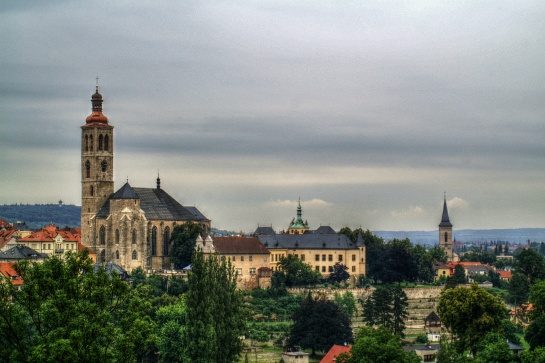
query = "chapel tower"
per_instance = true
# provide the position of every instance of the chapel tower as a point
(445, 232)
(97, 165)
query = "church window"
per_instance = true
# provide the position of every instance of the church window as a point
(92, 191)
(117, 255)
(86, 143)
(91, 143)
(87, 169)
(117, 236)
(134, 236)
(104, 165)
(446, 237)
(102, 256)
(134, 255)
(166, 240)
(102, 235)
(106, 143)
(154, 241)
(100, 140)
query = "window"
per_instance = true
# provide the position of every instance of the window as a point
(102, 235)
(87, 169)
(117, 236)
(154, 241)
(134, 236)
(353, 268)
(241, 258)
(106, 143)
(234, 258)
(239, 271)
(92, 191)
(102, 256)
(296, 255)
(252, 271)
(104, 166)
(264, 258)
(100, 139)
(317, 258)
(250, 258)
(302, 257)
(340, 258)
(134, 255)
(117, 255)
(86, 143)
(318, 268)
(323, 268)
(354, 258)
(330, 268)
(166, 239)
(446, 237)
(91, 143)
(330, 257)
(323, 257)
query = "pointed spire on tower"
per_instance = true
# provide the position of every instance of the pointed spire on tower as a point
(158, 180)
(445, 221)
(96, 100)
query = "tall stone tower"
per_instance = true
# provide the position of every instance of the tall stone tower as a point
(97, 165)
(445, 232)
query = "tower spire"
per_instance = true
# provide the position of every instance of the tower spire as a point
(158, 180)
(445, 221)
(96, 100)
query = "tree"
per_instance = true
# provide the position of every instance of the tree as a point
(339, 273)
(183, 240)
(387, 306)
(518, 288)
(530, 263)
(379, 346)
(459, 274)
(67, 312)
(172, 323)
(535, 333)
(318, 324)
(535, 356)
(294, 272)
(494, 349)
(399, 264)
(215, 316)
(469, 314)
(449, 354)
(346, 302)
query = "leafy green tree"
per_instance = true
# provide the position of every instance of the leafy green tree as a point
(425, 260)
(294, 272)
(183, 240)
(469, 314)
(510, 331)
(346, 302)
(399, 264)
(459, 274)
(339, 273)
(67, 312)
(494, 349)
(318, 324)
(531, 264)
(215, 315)
(172, 324)
(535, 333)
(387, 306)
(449, 354)
(478, 256)
(534, 356)
(518, 288)
(379, 346)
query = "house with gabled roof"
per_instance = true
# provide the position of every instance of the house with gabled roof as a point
(334, 352)
(7, 270)
(52, 241)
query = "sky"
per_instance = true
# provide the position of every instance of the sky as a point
(369, 112)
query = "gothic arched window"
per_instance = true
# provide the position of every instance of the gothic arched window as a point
(134, 236)
(106, 143)
(117, 255)
(117, 236)
(100, 138)
(134, 255)
(104, 165)
(86, 143)
(91, 143)
(446, 237)
(166, 240)
(154, 241)
(87, 169)
(92, 190)
(102, 257)
(102, 235)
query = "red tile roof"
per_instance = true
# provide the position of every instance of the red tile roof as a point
(48, 233)
(6, 269)
(239, 246)
(505, 274)
(334, 352)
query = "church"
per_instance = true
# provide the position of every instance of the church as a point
(131, 226)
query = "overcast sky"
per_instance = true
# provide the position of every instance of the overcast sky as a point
(367, 111)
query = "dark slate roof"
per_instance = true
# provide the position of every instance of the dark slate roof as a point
(267, 231)
(125, 192)
(324, 230)
(239, 246)
(156, 204)
(308, 241)
(360, 242)
(445, 222)
(110, 267)
(21, 252)
(433, 317)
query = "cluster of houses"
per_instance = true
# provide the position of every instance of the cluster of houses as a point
(471, 269)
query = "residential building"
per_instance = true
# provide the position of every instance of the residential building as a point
(7, 270)
(441, 270)
(52, 241)
(20, 252)
(334, 352)
(132, 226)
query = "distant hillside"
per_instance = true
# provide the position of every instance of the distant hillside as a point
(516, 236)
(38, 215)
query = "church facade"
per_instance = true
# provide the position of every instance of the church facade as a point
(131, 226)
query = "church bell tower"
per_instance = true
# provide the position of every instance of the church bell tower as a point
(97, 165)
(445, 232)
